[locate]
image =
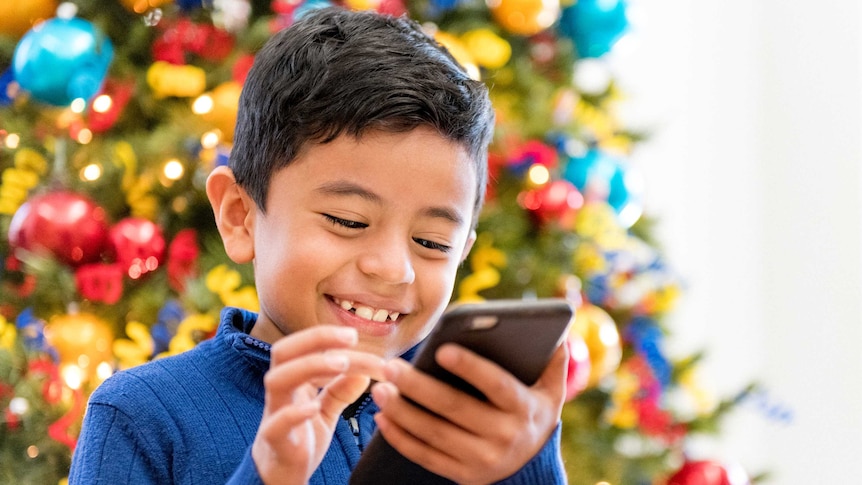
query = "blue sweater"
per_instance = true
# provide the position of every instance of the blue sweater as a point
(191, 419)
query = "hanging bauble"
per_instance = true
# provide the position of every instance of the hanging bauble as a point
(61, 60)
(556, 202)
(600, 333)
(594, 25)
(488, 49)
(83, 342)
(525, 17)
(138, 244)
(64, 224)
(18, 16)
(100, 282)
(600, 176)
(626, 194)
(706, 472)
(578, 372)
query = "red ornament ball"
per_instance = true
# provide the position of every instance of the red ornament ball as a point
(66, 225)
(703, 472)
(578, 371)
(555, 202)
(138, 244)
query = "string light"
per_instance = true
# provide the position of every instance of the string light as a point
(32, 451)
(102, 103)
(78, 105)
(91, 172)
(73, 376)
(203, 104)
(12, 141)
(85, 136)
(210, 139)
(173, 169)
(539, 174)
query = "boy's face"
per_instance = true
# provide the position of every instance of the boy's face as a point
(361, 232)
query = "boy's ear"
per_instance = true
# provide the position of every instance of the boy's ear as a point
(469, 245)
(234, 213)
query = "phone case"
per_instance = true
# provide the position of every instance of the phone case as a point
(519, 335)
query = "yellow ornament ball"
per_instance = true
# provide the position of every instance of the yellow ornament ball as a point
(18, 16)
(81, 339)
(600, 333)
(459, 51)
(489, 49)
(225, 102)
(525, 17)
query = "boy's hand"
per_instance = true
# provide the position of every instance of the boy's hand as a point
(470, 441)
(313, 376)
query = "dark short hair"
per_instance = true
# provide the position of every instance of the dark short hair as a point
(336, 71)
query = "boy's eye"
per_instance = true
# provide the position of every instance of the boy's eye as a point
(432, 245)
(345, 222)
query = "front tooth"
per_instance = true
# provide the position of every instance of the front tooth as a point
(347, 305)
(364, 312)
(394, 316)
(380, 316)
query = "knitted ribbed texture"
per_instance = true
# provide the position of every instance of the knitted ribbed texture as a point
(191, 419)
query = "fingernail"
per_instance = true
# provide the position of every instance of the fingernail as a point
(336, 361)
(347, 335)
(381, 393)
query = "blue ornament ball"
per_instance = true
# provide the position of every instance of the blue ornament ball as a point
(591, 172)
(594, 25)
(308, 6)
(626, 194)
(61, 60)
(599, 175)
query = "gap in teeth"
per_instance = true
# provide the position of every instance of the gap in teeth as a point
(369, 313)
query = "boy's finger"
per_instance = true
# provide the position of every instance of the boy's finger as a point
(553, 379)
(310, 340)
(339, 394)
(498, 385)
(319, 369)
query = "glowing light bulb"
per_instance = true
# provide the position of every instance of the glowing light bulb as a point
(203, 105)
(102, 103)
(85, 136)
(91, 172)
(210, 139)
(173, 169)
(12, 141)
(78, 105)
(73, 376)
(539, 174)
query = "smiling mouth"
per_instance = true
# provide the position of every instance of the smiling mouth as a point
(366, 312)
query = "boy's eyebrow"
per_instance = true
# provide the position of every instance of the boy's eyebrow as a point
(345, 187)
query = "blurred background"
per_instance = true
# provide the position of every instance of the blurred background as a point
(755, 170)
(742, 239)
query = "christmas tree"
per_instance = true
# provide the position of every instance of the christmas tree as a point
(113, 112)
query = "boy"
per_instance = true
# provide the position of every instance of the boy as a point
(355, 181)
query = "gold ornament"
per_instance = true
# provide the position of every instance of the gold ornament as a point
(487, 48)
(600, 333)
(525, 17)
(83, 342)
(19, 16)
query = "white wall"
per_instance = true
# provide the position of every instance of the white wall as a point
(755, 173)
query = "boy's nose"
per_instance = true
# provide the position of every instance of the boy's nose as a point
(388, 261)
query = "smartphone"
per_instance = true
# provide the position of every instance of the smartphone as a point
(519, 335)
